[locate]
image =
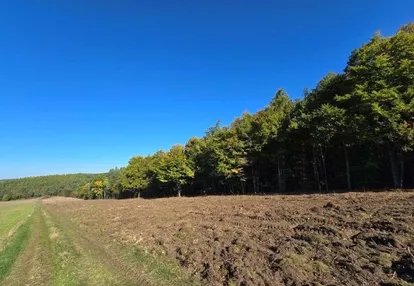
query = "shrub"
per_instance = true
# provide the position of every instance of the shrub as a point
(6, 198)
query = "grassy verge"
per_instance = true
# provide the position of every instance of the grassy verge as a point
(65, 257)
(18, 243)
(32, 266)
(11, 215)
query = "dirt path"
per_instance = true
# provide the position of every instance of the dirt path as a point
(58, 255)
(33, 265)
(86, 257)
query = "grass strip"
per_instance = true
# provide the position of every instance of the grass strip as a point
(20, 240)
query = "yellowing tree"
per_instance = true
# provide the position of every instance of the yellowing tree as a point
(98, 188)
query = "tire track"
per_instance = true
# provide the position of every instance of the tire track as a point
(93, 264)
(33, 265)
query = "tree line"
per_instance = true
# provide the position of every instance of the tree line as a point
(353, 131)
(53, 185)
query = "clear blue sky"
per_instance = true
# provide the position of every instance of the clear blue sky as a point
(86, 84)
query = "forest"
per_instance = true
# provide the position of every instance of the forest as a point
(353, 131)
(53, 185)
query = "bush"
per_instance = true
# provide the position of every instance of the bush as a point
(6, 198)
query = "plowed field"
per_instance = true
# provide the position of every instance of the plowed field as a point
(342, 239)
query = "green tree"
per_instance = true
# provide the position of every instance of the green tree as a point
(135, 177)
(266, 128)
(175, 168)
(115, 182)
(382, 75)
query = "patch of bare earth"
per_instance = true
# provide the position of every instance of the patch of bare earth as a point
(343, 239)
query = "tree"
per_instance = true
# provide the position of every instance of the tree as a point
(174, 167)
(325, 123)
(270, 131)
(85, 192)
(382, 75)
(199, 160)
(135, 177)
(6, 198)
(115, 182)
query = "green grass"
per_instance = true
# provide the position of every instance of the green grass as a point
(15, 229)
(159, 270)
(73, 261)
(18, 243)
(11, 214)
(158, 267)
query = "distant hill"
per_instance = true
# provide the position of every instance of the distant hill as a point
(29, 187)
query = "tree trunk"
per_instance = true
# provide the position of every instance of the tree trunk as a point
(231, 186)
(283, 176)
(214, 186)
(254, 180)
(178, 190)
(315, 170)
(348, 170)
(279, 176)
(394, 168)
(204, 186)
(254, 184)
(401, 171)
(242, 186)
(324, 169)
(303, 169)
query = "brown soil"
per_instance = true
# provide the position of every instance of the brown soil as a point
(343, 239)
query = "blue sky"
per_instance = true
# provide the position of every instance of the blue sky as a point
(85, 85)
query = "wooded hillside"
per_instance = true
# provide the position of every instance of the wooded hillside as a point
(62, 185)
